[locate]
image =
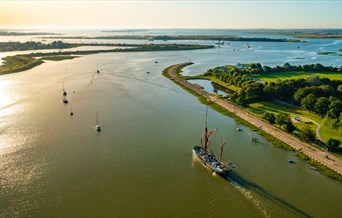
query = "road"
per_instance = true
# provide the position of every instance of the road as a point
(329, 161)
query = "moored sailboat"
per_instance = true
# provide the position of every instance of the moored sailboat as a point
(64, 92)
(207, 158)
(97, 127)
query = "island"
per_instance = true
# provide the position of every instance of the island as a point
(6, 33)
(23, 62)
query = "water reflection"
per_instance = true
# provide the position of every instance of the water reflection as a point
(6, 97)
(210, 87)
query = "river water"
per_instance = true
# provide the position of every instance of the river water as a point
(141, 164)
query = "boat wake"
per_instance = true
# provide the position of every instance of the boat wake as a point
(249, 195)
(257, 194)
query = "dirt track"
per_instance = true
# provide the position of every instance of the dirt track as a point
(314, 153)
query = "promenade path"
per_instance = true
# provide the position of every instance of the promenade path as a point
(314, 153)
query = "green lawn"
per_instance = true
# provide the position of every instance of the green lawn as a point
(232, 87)
(18, 63)
(261, 107)
(272, 77)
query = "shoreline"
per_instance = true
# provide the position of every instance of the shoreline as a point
(306, 152)
(39, 57)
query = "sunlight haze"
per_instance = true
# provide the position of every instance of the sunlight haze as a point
(171, 14)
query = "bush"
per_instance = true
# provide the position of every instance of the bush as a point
(269, 117)
(333, 144)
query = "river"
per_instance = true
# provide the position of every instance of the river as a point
(141, 164)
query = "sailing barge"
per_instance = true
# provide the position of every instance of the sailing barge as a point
(207, 158)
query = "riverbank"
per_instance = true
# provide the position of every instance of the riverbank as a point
(331, 167)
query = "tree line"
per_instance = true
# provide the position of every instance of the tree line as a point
(22, 46)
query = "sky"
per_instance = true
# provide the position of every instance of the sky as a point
(220, 14)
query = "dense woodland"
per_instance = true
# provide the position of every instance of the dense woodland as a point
(23, 46)
(318, 95)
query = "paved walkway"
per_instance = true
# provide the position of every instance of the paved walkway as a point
(314, 153)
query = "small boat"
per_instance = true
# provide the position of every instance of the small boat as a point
(208, 159)
(247, 45)
(156, 62)
(148, 72)
(255, 140)
(313, 168)
(238, 129)
(64, 92)
(290, 161)
(219, 42)
(65, 101)
(97, 70)
(97, 127)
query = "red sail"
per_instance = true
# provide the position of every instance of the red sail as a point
(211, 132)
(222, 145)
(207, 134)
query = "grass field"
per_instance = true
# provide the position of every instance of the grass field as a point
(261, 107)
(18, 63)
(272, 77)
(232, 87)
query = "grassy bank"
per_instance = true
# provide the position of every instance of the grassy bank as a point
(18, 63)
(325, 170)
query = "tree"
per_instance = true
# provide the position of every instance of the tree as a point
(269, 92)
(269, 117)
(282, 119)
(287, 67)
(289, 127)
(335, 108)
(339, 88)
(241, 101)
(333, 144)
(308, 134)
(254, 92)
(322, 106)
(314, 80)
(328, 90)
(308, 102)
(300, 94)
